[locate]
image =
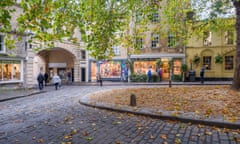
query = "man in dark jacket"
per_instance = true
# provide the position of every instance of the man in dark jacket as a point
(40, 80)
(202, 75)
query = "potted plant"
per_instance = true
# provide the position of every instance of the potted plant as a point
(196, 60)
(159, 63)
(184, 69)
(219, 59)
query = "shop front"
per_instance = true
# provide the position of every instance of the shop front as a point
(112, 70)
(142, 63)
(11, 70)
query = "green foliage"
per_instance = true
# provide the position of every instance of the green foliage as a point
(154, 78)
(176, 78)
(218, 59)
(170, 64)
(5, 15)
(138, 77)
(184, 68)
(159, 63)
(196, 60)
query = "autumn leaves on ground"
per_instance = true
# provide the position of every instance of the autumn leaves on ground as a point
(207, 101)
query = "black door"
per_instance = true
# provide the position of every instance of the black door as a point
(83, 74)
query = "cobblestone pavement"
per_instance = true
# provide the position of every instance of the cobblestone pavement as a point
(56, 117)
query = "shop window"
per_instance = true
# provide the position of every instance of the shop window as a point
(83, 54)
(116, 50)
(139, 42)
(207, 38)
(229, 37)
(141, 67)
(176, 66)
(155, 40)
(10, 70)
(110, 69)
(2, 47)
(228, 62)
(207, 62)
(171, 40)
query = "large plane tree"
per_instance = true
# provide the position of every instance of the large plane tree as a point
(98, 21)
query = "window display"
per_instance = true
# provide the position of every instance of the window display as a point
(107, 69)
(10, 70)
(176, 66)
(142, 67)
(110, 69)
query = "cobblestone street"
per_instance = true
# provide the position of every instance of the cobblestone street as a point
(56, 117)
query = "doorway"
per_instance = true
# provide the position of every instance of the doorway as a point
(83, 74)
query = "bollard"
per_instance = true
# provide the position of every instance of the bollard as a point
(133, 100)
(170, 83)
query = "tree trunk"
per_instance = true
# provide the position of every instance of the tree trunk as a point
(236, 78)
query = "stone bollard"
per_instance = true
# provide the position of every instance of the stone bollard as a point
(133, 100)
(170, 83)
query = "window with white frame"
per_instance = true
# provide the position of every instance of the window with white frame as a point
(207, 62)
(2, 47)
(207, 38)
(171, 40)
(229, 37)
(116, 50)
(155, 40)
(228, 62)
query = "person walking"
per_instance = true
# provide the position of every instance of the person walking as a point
(99, 79)
(160, 74)
(46, 78)
(56, 81)
(149, 74)
(40, 79)
(202, 75)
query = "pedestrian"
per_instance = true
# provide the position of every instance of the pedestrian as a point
(126, 75)
(202, 75)
(69, 74)
(99, 79)
(160, 74)
(40, 79)
(56, 81)
(149, 75)
(46, 78)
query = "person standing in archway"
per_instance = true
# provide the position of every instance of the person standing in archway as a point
(46, 78)
(69, 74)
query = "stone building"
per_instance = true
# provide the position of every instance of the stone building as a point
(21, 65)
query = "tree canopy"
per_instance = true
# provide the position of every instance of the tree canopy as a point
(103, 22)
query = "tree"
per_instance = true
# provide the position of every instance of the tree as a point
(100, 20)
(236, 78)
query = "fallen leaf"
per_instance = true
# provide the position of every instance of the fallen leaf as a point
(164, 136)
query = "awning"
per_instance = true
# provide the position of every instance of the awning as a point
(158, 55)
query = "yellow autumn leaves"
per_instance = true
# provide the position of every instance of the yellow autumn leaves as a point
(207, 101)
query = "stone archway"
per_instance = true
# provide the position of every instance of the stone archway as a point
(61, 58)
(58, 60)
